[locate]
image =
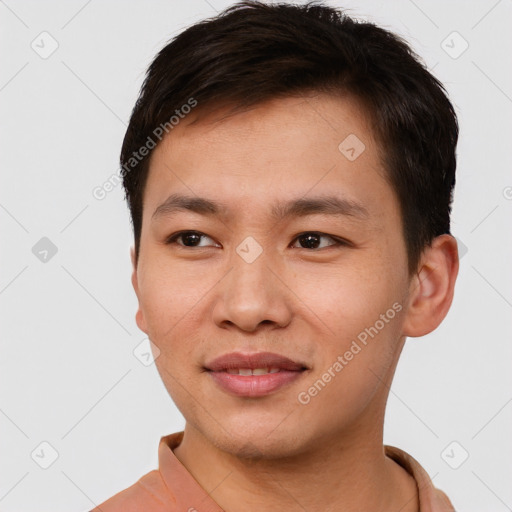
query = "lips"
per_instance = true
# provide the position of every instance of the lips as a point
(253, 375)
(237, 360)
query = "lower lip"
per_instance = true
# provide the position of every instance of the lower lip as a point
(254, 385)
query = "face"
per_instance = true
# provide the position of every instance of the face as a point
(262, 235)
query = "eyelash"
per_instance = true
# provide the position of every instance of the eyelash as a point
(337, 241)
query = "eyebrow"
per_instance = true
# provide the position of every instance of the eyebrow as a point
(326, 205)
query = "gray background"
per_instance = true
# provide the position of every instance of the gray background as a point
(68, 373)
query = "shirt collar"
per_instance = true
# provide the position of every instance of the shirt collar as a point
(191, 497)
(188, 495)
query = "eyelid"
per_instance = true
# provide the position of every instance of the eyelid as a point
(338, 241)
(172, 238)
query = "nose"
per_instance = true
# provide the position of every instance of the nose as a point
(253, 295)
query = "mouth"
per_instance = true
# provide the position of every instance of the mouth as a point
(254, 375)
(249, 371)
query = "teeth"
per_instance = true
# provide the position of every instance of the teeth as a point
(248, 371)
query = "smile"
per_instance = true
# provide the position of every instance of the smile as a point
(253, 375)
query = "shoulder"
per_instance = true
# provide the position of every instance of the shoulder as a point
(430, 498)
(148, 494)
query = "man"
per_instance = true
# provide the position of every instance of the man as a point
(289, 173)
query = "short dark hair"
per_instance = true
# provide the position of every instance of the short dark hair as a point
(252, 52)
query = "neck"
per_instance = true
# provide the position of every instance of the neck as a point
(342, 473)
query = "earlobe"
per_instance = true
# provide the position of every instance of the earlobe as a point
(139, 315)
(431, 289)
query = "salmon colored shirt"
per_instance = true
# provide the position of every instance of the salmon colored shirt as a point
(171, 488)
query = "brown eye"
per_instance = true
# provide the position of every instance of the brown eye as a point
(189, 239)
(313, 240)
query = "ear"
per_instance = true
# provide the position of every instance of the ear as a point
(431, 289)
(139, 316)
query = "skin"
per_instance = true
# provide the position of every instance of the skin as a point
(196, 303)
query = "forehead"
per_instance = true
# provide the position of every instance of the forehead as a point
(283, 149)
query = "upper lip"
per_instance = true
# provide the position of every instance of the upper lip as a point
(254, 360)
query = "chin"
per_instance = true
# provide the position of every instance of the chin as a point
(258, 440)
(259, 448)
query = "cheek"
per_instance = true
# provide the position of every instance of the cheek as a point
(353, 366)
(347, 299)
(171, 297)
(359, 315)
